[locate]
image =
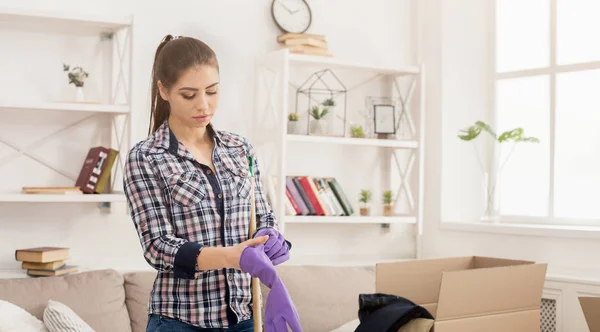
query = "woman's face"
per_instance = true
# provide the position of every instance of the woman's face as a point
(194, 97)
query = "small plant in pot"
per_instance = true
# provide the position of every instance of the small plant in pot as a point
(365, 202)
(317, 126)
(293, 123)
(357, 132)
(76, 76)
(328, 105)
(388, 199)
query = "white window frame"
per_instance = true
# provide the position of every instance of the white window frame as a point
(551, 70)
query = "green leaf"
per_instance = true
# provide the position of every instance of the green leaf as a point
(511, 135)
(486, 127)
(469, 133)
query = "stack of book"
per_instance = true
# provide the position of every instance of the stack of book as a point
(314, 196)
(45, 261)
(301, 43)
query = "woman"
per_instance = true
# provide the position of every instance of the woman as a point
(188, 190)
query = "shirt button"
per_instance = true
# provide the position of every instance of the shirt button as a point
(208, 171)
(243, 173)
(230, 277)
(219, 195)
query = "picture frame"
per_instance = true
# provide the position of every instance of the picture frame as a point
(384, 119)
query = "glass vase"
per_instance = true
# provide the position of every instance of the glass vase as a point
(491, 195)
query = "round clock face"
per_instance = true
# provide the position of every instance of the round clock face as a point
(293, 16)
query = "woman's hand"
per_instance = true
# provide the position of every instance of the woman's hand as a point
(236, 251)
(214, 258)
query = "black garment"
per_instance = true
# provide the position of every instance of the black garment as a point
(387, 313)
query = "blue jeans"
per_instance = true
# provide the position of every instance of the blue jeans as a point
(157, 323)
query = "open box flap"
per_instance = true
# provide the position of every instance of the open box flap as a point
(591, 311)
(418, 281)
(477, 292)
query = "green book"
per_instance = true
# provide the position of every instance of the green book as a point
(339, 193)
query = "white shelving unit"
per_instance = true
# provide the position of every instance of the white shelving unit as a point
(114, 111)
(40, 198)
(273, 105)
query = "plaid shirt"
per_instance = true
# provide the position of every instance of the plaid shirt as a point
(179, 206)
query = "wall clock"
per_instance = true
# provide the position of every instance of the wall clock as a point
(291, 16)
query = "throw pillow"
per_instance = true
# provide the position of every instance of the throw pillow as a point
(15, 318)
(348, 327)
(417, 325)
(60, 318)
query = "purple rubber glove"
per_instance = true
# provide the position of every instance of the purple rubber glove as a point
(279, 309)
(276, 247)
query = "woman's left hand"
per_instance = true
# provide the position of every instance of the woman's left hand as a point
(276, 247)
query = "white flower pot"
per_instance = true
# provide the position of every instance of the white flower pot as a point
(79, 96)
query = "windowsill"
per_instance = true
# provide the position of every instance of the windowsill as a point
(522, 229)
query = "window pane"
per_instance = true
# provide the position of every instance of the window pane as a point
(522, 34)
(524, 181)
(577, 145)
(577, 31)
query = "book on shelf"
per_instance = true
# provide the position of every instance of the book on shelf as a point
(41, 254)
(45, 261)
(320, 196)
(300, 43)
(95, 172)
(63, 270)
(51, 191)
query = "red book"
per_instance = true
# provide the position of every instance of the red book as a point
(92, 168)
(312, 196)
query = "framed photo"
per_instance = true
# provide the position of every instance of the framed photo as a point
(385, 119)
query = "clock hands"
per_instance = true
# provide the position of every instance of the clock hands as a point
(286, 8)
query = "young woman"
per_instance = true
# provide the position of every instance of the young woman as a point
(188, 191)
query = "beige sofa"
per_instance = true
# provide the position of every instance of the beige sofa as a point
(326, 297)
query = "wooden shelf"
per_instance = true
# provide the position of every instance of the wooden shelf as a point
(52, 198)
(350, 220)
(70, 107)
(62, 22)
(407, 144)
(333, 62)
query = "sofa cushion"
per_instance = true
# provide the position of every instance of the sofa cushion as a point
(60, 318)
(326, 297)
(98, 297)
(137, 294)
(15, 318)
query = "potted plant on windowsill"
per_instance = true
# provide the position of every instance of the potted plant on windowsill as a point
(388, 200)
(365, 202)
(493, 173)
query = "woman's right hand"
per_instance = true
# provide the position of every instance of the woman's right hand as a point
(236, 251)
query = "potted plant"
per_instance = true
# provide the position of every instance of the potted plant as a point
(492, 174)
(317, 126)
(293, 126)
(387, 203)
(365, 202)
(76, 77)
(328, 106)
(357, 132)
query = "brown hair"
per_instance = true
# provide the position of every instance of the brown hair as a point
(173, 56)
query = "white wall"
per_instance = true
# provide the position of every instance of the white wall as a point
(378, 32)
(457, 93)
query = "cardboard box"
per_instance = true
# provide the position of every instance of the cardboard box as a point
(470, 293)
(591, 311)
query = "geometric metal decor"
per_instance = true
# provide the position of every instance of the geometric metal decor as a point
(319, 88)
